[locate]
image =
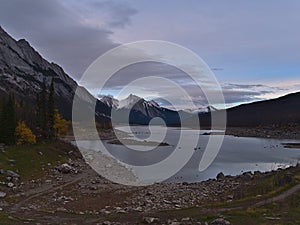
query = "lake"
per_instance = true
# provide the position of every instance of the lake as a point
(155, 163)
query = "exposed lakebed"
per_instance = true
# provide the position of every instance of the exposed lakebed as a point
(153, 163)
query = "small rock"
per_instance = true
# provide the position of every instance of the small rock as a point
(106, 223)
(61, 209)
(167, 202)
(10, 184)
(12, 174)
(48, 181)
(93, 188)
(2, 194)
(175, 223)
(150, 220)
(220, 221)
(230, 197)
(185, 219)
(139, 209)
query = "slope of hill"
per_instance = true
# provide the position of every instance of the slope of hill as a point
(279, 111)
(23, 69)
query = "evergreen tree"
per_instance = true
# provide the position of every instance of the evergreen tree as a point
(42, 111)
(51, 111)
(8, 121)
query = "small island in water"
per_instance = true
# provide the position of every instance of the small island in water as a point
(135, 142)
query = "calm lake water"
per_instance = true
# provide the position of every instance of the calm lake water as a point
(237, 154)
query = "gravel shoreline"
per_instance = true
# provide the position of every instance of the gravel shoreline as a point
(292, 132)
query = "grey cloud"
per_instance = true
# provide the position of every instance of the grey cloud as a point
(119, 13)
(233, 93)
(237, 93)
(59, 33)
(250, 86)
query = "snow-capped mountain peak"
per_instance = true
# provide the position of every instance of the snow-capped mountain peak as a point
(110, 101)
(206, 109)
(153, 103)
(129, 102)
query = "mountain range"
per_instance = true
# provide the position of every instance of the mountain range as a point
(23, 70)
(140, 111)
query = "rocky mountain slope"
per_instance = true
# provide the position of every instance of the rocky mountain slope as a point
(23, 69)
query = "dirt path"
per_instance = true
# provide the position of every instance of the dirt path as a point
(45, 190)
(277, 198)
(280, 197)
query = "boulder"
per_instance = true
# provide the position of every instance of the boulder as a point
(247, 175)
(220, 176)
(65, 168)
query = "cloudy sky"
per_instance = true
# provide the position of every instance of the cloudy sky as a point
(252, 47)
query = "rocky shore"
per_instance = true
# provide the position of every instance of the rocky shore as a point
(289, 132)
(73, 188)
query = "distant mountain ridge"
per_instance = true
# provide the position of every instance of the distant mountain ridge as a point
(280, 111)
(127, 103)
(140, 111)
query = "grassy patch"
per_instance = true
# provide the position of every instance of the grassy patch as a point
(285, 212)
(30, 161)
(281, 213)
(6, 219)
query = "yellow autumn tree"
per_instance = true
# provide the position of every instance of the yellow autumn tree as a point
(60, 125)
(24, 135)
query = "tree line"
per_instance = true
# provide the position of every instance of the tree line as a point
(24, 122)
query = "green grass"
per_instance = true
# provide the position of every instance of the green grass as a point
(6, 219)
(30, 160)
(287, 212)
